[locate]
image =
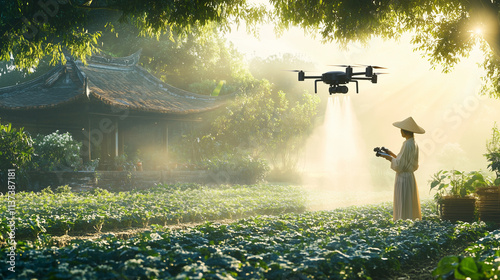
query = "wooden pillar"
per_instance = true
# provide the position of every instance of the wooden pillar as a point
(89, 141)
(166, 139)
(117, 138)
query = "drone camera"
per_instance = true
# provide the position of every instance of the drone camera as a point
(381, 151)
(338, 89)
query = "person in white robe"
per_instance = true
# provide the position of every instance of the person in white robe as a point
(406, 198)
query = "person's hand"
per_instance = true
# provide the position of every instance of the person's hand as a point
(388, 157)
(393, 155)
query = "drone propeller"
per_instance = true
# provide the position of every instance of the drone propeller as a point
(342, 65)
(374, 67)
(296, 71)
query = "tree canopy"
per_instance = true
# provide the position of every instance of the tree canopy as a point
(446, 30)
(31, 29)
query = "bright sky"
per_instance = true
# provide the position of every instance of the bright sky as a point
(457, 120)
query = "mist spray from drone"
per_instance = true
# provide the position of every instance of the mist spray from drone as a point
(336, 162)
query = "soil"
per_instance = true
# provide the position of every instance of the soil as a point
(126, 233)
(423, 270)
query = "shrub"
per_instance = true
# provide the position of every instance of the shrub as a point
(493, 154)
(237, 169)
(15, 147)
(55, 152)
(63, 189)
(16, 151)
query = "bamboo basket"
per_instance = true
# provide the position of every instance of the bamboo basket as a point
(458, 208)
(488, 204)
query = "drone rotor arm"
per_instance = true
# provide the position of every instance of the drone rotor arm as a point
(362, 78)
(358, 73)
(313, 77)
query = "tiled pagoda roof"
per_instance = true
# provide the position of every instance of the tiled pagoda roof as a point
(118, 82)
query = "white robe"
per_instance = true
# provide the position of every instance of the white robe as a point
(406, 200)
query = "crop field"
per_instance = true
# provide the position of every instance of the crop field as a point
(65, 212)
(270, 237)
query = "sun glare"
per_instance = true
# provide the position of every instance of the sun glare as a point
(477, 31)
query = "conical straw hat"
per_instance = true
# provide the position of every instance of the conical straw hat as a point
(410, 125)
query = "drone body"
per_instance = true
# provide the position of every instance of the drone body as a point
(337, 79)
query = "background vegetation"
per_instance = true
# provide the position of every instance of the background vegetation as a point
(446, 30)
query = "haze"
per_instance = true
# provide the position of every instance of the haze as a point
(339, 164)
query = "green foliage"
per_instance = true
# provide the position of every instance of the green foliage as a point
(250, 121)
(462, 268)
(294, 127)
(123, 163)
(61, 211)
(63, 189)
(271, 69)
(16, 147)
(236, 169)
(262, 124)
(347, 243)
(491, 79)
(457, 183)
(196, 62)
(444, 30)
(493, 153)
(479, 261)
(56, 151)
(47, 191)
(31, 29)
(12, 76)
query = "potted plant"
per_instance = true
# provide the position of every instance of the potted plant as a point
(493, 153)
(455, 194)
(489, 196)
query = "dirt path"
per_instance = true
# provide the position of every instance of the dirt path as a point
(61, 241)
(422, 270)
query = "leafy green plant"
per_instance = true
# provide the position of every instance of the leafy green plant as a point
(479, 261)
(493, 153)
(237, 169)
(63, 189)
(63, 211)
(56, 151)
(16, 151)
(360, 242)
(457, 183)
(462, 268)
(16, 147)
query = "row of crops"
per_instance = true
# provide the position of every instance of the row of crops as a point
(65, 212)
(479, 261)
(273, 239)
(347, 243)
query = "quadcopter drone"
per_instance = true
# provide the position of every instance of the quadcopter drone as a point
(336, 79)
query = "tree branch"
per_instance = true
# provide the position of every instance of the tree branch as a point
(116, 9)
(487, 14)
